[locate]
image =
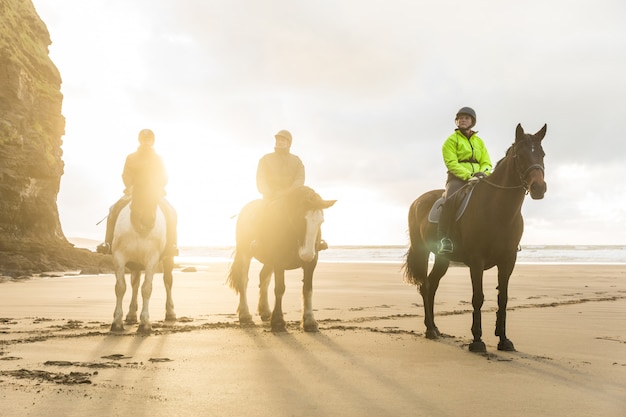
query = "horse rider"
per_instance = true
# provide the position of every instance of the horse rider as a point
(144, 168)
(467, 160)
(280, 171)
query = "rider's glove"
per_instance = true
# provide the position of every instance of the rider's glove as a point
(473, 180)
(480, 174)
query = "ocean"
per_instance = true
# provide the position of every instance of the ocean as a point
(530, 254)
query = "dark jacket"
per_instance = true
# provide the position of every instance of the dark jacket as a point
(279, 172)
(144, 169)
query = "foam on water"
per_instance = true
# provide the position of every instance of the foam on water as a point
(530, 254)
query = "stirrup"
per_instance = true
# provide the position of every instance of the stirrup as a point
(445, 246)
(104, 248)
(322, 245)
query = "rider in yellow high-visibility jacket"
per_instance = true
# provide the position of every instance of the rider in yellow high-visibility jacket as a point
(466, 157)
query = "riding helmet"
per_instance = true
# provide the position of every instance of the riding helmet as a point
(146, 136)
(284, 134)
(469, 111)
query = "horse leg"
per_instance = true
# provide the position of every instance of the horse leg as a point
(244, 313)
(168, 279)
(135, 278)
(277, 320)
(308, 321)
(145, 327)
(478, 297)
(120, 290)
(504, 273)
(238, 281)
(265, 276)
(428, 290)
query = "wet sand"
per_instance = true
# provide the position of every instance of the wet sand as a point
(370, 357)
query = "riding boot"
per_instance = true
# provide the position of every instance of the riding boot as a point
(114, 212)
(445, 245)
(105, 248)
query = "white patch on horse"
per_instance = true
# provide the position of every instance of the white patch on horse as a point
(314, 219)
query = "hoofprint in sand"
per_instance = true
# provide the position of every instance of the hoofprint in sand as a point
(370, 357)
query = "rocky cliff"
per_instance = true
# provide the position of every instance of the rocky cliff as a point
(31, 165)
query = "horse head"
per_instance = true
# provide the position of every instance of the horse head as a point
(305, 207)
(528, 155)
(143, 209)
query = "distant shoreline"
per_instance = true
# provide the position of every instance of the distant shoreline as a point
(394, 254)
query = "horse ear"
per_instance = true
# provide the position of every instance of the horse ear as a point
(327, 203)
(542, 132)
(519, 131)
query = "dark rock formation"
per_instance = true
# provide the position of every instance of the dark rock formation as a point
(31, 126)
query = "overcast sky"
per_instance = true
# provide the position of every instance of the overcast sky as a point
(369, 90)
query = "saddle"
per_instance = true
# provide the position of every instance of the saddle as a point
(460, 201)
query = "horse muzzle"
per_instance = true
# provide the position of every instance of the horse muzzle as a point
(537, 190)
(306, 254)
(536, 186)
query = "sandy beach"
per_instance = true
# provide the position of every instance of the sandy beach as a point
(370, 357)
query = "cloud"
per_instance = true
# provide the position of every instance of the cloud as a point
(368, 88)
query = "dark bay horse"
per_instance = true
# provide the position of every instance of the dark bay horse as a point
(282, 235)
(138, 243)
(487, 234)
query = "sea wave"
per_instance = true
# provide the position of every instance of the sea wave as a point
(530, 254)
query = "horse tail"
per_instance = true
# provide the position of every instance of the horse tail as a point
(408, 267)
(244, 237)
(415, 264)
(236, 279)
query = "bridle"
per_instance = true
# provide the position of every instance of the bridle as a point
(522, 174)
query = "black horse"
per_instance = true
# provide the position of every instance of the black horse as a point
(487, 234)
(282, 235)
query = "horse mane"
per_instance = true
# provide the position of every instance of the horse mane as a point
(506, 154)
(301, 198)
(143, 206)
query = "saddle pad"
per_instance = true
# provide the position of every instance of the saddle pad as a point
(435, 211)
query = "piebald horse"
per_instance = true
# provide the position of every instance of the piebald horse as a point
(138, 244)
(487, 234)
(282, 235)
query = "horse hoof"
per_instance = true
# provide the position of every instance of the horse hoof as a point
(478, 346)
(144, 329)
(246, 320)
(506, 345)
(170, 317)
(131, 320)
(310, 327)
(279, 327)
(432, 334)
(117, 328)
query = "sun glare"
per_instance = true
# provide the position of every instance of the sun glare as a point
(208, 185)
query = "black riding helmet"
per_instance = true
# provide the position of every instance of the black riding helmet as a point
(470, 112)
